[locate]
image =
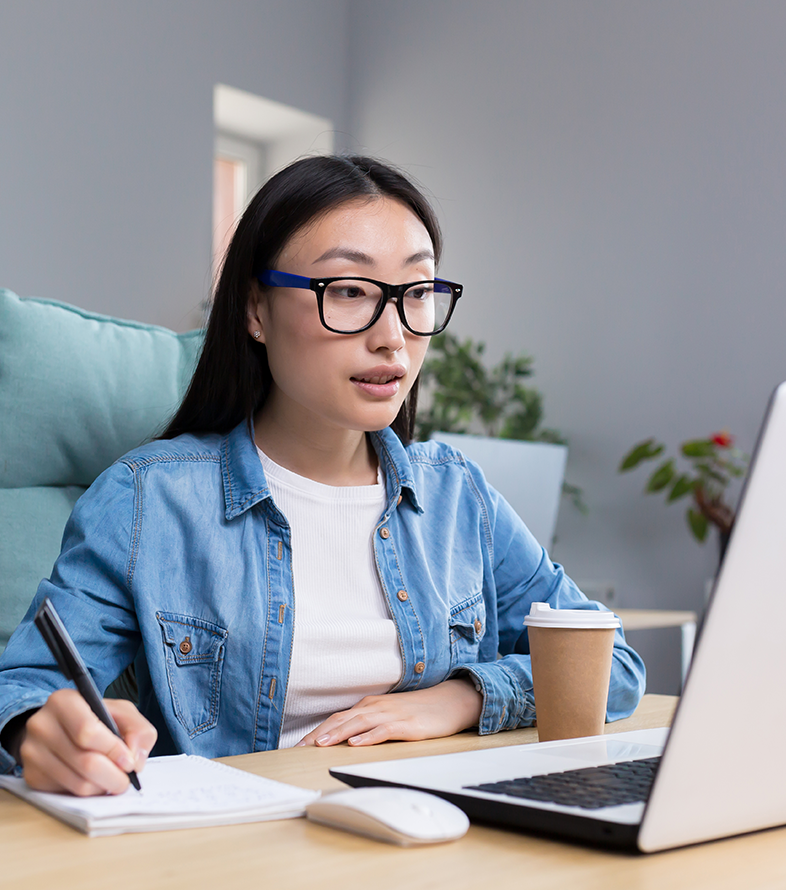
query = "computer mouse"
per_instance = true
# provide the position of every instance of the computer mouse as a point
(396, 815)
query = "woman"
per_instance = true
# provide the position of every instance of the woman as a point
(283, 566)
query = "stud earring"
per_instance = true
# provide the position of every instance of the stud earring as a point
(257, 335)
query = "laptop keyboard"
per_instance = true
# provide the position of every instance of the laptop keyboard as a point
(589, 787)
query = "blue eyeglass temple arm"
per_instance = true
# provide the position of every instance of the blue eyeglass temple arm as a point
(285, 279)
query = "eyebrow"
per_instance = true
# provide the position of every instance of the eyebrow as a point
(357, 256)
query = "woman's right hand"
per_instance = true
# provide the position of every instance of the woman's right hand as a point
(65, 747)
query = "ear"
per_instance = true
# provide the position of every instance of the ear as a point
(255, 313)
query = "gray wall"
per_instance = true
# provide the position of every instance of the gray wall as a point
(611, 178)
(106, 137)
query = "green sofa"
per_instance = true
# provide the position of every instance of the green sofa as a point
(77, 390)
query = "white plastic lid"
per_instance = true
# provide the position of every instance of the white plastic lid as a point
(542, 615)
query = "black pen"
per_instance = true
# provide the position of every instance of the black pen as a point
(70, 663)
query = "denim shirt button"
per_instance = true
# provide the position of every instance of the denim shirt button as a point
(384, 533)
(400, 499)
(478, 625)
(420, 667)
(403, 595)
(185, 647)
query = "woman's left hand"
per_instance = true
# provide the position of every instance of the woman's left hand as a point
(429, 713)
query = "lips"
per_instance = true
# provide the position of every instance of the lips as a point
(380, 375)
(380, 382)
(385, 378)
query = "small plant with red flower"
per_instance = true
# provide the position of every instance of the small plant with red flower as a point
(713, 463)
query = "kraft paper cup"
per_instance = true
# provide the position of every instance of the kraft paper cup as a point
(571, 666)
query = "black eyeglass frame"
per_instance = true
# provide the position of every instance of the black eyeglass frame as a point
(272, 278)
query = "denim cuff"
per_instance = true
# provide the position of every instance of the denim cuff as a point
(8, 764)
(506, 704)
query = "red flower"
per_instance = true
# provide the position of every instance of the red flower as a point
(722, 440)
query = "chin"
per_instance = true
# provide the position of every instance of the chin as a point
(377, 421)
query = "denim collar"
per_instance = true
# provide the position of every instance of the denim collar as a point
(245, 484)
(396, 467)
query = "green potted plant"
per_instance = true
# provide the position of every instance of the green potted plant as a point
(463, 396)
(712, 464)
(495, 418)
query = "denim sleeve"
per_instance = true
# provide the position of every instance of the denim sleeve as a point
(90, 588)
(523, 574)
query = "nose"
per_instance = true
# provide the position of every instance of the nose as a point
(388, 331)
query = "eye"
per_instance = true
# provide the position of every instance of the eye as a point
(420, 292)
(346, 290)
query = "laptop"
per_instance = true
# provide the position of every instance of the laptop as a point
(720, 770)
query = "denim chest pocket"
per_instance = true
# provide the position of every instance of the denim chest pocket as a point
(194, 657)
(467, 624)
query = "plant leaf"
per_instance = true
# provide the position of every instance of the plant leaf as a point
(698, 448)
(522, 421)
(576, 495)
(548, 435)
(661, 477)
(699, 524)
(683, 484)
(709, 472)
(643, 451)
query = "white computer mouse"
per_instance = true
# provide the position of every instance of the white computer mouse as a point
(396, 815)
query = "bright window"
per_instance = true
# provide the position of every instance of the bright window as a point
(254, 138)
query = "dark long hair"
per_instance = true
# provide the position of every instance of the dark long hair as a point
(232, 378)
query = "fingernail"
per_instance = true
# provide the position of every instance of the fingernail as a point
(126, 763)
(141, 756)
(354, 740)
(323, 740)
(301, 743)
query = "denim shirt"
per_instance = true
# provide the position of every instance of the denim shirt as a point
(178, 559)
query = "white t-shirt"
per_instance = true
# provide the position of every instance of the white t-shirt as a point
(345, 642)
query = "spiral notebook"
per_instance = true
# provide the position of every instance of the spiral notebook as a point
(181, 791)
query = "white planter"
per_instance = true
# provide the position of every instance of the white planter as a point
(528, 474)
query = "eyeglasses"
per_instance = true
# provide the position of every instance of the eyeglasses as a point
(351, 305)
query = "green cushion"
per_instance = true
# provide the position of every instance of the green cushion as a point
(78, 390)
(31, 528)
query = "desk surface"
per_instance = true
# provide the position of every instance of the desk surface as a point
(644, 619)
(37, 851)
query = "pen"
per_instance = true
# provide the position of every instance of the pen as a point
(70, 663)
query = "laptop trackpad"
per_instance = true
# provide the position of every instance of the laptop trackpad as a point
(598, 751)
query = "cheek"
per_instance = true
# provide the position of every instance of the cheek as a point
(417, 351)
(292, 362)
(304, 359)
(291, 332)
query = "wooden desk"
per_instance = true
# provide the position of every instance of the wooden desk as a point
(646, 619)
(36, 851)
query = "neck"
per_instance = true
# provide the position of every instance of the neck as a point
(332, 456)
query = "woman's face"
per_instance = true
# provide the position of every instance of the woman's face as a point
(348, 381)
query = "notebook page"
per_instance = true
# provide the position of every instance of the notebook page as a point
(183, 784)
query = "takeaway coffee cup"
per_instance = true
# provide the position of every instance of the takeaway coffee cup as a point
(571, 665)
